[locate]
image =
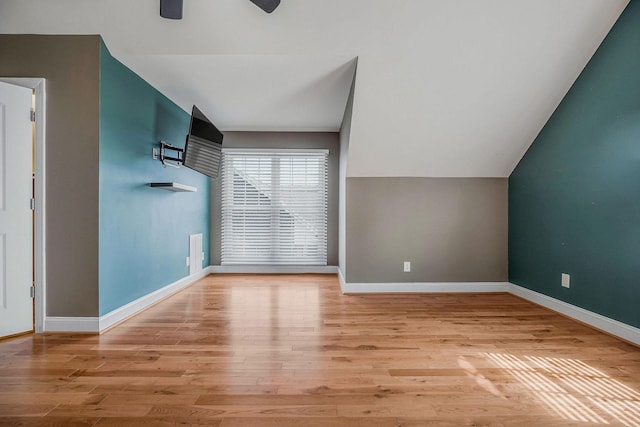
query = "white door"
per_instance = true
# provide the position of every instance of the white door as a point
(16, 232)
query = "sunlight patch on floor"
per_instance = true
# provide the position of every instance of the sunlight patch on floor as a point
(572, 389)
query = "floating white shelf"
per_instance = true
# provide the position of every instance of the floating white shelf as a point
(173, 186)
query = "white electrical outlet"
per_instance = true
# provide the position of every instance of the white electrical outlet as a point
(566, 280)
(187, 261)
(407, 266)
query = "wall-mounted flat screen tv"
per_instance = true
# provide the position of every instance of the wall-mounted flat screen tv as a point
(203, 148)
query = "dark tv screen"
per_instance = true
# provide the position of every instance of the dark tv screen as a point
(203, 148)
(202, 127)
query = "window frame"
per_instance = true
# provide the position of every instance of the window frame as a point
(275, 252)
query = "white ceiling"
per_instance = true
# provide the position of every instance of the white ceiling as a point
(254, 92)
(445, 88)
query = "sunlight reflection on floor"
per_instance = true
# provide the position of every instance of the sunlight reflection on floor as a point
(572, 389)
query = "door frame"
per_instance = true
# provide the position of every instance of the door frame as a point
(38, 86)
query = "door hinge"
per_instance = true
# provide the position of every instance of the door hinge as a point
(32, 204)
(32, 291)
(33, 115)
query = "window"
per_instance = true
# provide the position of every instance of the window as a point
(274, 207)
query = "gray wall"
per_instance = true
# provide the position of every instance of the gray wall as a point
(70, 65)
(326, 140)
(451, 229)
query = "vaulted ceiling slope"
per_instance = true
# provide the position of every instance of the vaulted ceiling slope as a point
(455, 88)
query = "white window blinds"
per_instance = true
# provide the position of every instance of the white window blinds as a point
(274, 207)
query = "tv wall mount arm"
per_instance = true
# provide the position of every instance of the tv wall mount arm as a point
(170, 154)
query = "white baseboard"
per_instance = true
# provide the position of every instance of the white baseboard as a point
(267, 269)
(71, 324)
(614, 327)
(99, 324)
(423, 287)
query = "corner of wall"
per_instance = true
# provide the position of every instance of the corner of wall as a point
(345, 136)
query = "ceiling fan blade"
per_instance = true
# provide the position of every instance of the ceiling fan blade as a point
(171, 9)
(266, 5)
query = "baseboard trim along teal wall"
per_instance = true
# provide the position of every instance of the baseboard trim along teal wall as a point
(143, 231)
(611, 326)
(574, 198)
(113, 318)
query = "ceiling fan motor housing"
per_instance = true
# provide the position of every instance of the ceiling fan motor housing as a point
(266, 5)
(171, 9)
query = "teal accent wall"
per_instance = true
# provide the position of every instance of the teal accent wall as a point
(574, 199)
(144, 232)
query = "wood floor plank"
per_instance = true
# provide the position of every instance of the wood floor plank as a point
(158, 422)
(133, 409)
(50, 399)
(116, 399)
(310, 422)
(47, 422)
(283, 400)
(25, 409)
(291, 350)
(160, 388)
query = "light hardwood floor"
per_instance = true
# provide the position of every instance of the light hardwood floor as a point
(248, 350)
